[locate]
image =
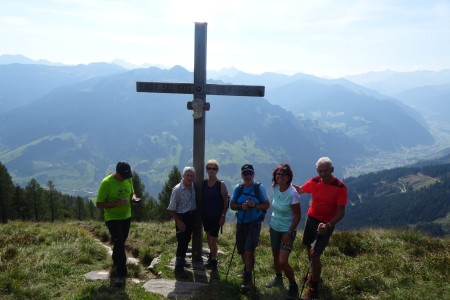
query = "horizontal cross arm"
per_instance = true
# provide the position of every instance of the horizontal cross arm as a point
(208, 89)
(235, 90)
(165, 87)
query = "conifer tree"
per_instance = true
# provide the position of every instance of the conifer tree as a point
(139, 190)
(18, 203)
(6, 190)
(80, 209)
(33, 194)
(51, 194)
(164, 195)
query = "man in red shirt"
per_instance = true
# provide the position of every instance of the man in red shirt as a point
(329, 197)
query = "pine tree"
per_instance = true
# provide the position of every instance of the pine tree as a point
(51, 194)
(33, 194)
(139, 190)
(164, 195)
(18, 204)
(80, 209)
(6, 191)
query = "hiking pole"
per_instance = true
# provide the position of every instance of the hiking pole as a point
(235, 244)
(254, 253)
(231, 260)
(314, 243)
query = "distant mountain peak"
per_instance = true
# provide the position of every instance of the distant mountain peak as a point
(7, 59)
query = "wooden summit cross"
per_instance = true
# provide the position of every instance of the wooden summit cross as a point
(199, 89)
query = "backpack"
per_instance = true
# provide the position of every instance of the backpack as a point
(257, 195)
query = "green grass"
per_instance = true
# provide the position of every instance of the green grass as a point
(48, 261)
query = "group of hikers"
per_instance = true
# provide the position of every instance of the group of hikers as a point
(250, 201)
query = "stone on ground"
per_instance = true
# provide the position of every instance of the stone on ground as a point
(170, 288)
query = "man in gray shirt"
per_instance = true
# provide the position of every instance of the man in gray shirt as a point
(182, 207)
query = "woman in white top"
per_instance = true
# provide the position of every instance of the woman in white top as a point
(285, 217)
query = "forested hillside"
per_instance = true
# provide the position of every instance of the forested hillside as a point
(401, 197)
(417, 197)
(38, 203)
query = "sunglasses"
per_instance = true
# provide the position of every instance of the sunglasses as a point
(280, 174)
(248, 173)
(211, 169)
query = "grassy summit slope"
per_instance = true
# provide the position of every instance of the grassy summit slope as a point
(48, 261)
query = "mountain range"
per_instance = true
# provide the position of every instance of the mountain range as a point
(71, 124)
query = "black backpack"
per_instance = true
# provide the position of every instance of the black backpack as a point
(257, 195)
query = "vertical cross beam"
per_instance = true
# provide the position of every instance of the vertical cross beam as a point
(199, 89)
(199, 132)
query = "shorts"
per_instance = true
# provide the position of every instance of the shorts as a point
(310, 235)
(211, 226)
(276, 240)
(247, 236)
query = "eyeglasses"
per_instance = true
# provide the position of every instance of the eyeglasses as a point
(280, 174)
(323, 170)
(247, 173)
(211, 169)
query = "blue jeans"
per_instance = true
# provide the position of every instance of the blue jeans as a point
(119, 230)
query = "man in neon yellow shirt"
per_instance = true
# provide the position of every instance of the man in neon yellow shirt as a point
(114, 196)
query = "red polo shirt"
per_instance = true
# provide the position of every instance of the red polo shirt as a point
(325, 198)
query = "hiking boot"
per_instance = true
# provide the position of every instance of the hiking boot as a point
(293, 291)
(277, 281)
(208, 263)
(247, 283)
(213, 265)
(311, 293)
(179, 271)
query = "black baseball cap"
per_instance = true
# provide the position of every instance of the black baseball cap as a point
(124, 170)
(247, 167)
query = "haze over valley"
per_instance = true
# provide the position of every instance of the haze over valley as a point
(72, 123)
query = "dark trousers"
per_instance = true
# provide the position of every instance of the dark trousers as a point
(184, 237)
(119, 230)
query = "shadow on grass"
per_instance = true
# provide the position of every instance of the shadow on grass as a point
(231, 290)
(327, 293)
(104, 292)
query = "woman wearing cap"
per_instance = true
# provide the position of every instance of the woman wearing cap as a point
(114, 196)
(214, 209)
(285, 217)
(249, 200)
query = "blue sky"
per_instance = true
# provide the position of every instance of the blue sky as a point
(320, 37)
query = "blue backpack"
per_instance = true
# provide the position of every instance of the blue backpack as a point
(256, 194)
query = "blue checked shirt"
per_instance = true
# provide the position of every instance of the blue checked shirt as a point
(182, 199)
